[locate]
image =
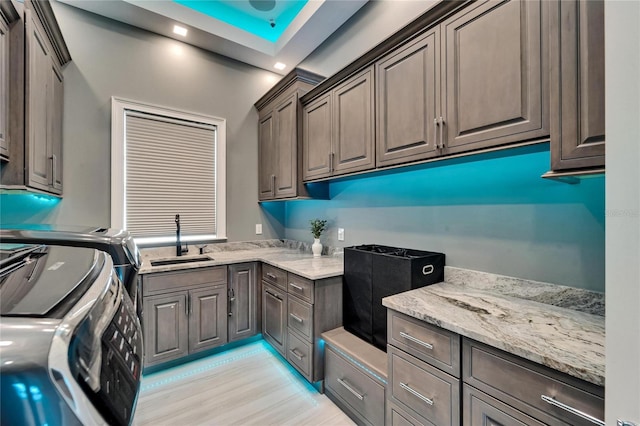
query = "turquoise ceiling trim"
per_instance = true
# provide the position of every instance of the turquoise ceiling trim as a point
(258, 26)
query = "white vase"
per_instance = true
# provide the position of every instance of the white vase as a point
(316, 247)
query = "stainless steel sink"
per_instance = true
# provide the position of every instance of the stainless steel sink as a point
(179, 260)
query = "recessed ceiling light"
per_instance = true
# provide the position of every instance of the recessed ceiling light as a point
(279, 66)
(180, 30)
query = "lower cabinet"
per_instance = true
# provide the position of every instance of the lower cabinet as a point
(355, 376)
(363, 395)
(207, 318)
(184, 312)
(274, 317)
(295, 311)
(166, 326)
(242, 301)
(435, 375)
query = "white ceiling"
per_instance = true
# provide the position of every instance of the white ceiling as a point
(317, 20)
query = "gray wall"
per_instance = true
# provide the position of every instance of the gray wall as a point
(371, 25)
(114, 59)
(622, 62)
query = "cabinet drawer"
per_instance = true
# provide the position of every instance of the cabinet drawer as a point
(299, 354)
(396, 416)
(300, 287)
(522, 384)
(430, 393)
(479, 409)
(275, 276)
(300, 317)
(436, 346)
(178, 280)
(363, 394)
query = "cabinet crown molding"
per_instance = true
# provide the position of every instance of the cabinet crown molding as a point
(297, 74)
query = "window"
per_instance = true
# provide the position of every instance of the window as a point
(166, 162)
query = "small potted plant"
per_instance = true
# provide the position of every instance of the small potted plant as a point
(317, 227)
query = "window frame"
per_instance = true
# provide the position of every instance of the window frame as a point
(118, 166)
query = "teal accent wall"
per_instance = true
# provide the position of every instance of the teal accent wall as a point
(488, 212)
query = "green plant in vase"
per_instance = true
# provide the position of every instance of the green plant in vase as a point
(317, 227)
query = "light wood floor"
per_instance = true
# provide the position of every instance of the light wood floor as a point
(248, 385)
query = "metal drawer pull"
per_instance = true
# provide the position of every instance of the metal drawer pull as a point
(575, 412)
(435, 132)
(441, 132)
(272, 294)
(296, 354)
(350, 389)
(270, 275)
(297, 318)
(416, 393)
(297, 287)
(414, 340)
(625, 423)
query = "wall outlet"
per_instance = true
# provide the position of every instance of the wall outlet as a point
(340, 234)
(258, 229)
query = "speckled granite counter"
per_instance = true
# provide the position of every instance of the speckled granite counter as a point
(517, 316)
(285, 255)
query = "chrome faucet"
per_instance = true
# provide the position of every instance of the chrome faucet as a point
(179, 249)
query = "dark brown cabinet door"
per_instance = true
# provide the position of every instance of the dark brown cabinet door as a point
(493, 75)
(577, 83)
(242, 321)
(207, 318)
(4, 89)
(479, 409)
(274, 317)
(267, 157)
(54, 117)
(38, 80)
(165, 327)
(287, 148)
(316, 139)
(408, 101)
(353, 130)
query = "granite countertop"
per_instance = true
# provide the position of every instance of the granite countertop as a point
(517, 316)
(285, 255)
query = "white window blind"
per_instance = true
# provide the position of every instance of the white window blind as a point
(170, 168)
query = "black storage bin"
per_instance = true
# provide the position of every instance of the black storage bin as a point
(372, 272)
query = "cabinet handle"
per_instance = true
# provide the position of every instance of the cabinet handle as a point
(231, 297)
(435, 132)
(273, 185)
(273, 277)
(54, 172)
(296, 287)
(273, 295)
(416, 393)
(297, 318)
(331, 162)
(348, 387)
(295, 354)
(551, 400)
(186, 306)
(414, 340)
(441, 132)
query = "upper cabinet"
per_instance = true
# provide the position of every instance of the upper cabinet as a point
(8, 15)
(279, 137)
(577, 84)
(338, 129)
(493, 76)
(408, 101)
(466, 76)
(37, 53)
